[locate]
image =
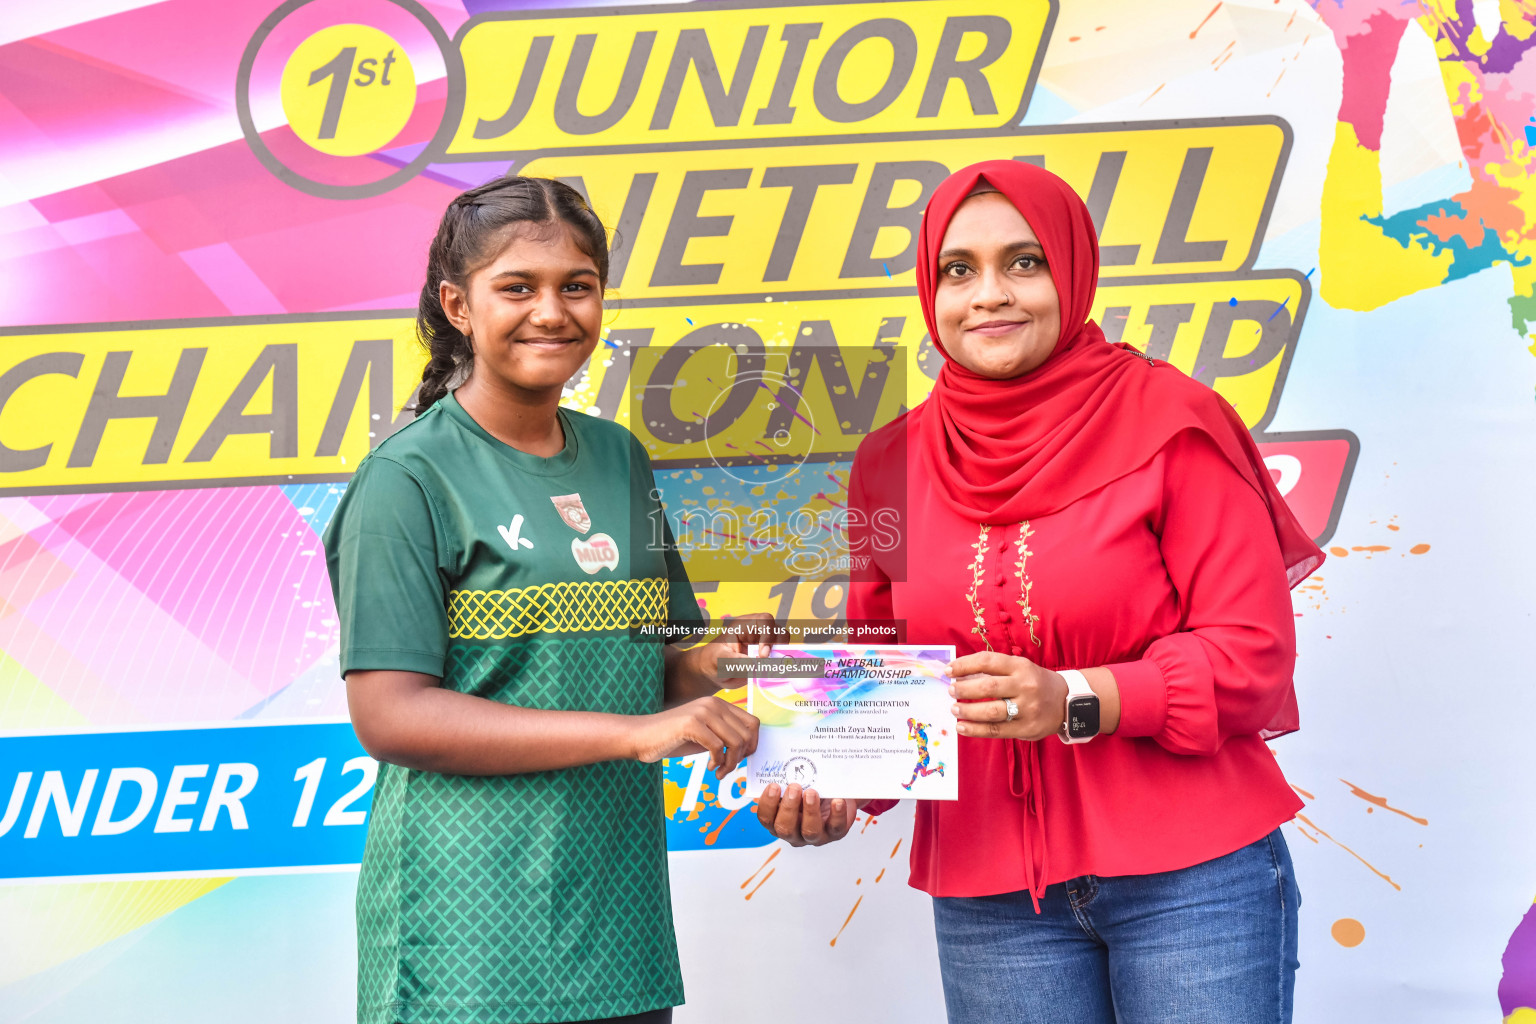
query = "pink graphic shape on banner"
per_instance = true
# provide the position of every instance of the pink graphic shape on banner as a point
(237, 566)
(228, 276)
(124, 651)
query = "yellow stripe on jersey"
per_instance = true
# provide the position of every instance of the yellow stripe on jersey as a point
(581, 607)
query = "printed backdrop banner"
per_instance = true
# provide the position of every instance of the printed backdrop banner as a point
(213, 226)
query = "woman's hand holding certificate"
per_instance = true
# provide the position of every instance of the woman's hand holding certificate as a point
(987, 682)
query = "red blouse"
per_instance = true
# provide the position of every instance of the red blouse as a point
(1172, 577)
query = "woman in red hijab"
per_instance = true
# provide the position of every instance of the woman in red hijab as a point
(1097, 535)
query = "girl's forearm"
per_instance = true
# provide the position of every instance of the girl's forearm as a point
(408, 719)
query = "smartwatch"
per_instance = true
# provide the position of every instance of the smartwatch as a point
(1082, 722)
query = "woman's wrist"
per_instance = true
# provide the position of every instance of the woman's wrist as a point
(1102, 682)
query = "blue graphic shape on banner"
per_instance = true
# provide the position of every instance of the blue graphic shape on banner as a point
(183, 800)
(243, 799)
(699, 818)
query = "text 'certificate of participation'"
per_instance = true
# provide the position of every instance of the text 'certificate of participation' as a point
(860, 722)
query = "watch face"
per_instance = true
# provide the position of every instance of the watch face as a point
(1083, 717)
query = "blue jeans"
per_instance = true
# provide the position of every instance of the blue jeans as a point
(1210, 944)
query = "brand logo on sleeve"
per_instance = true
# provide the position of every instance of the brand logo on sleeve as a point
(572, 511)
(597, 552)
(512, 534)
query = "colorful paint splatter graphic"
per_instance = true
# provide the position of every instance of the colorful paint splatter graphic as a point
(1491, 90)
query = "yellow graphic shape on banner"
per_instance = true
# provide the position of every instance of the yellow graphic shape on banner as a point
(1368, 256)
(689, 74)
(49, 924)
(26, 704)
(270, 400)
(348, 90)
(792, 528)
(791, 219)
(1235, 334)
(1363, 268)
(809, 603)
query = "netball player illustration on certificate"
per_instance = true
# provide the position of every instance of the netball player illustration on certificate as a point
(919, 731)
(488, 562)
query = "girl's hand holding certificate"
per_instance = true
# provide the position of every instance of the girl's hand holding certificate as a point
(705, 723)
(696, 720)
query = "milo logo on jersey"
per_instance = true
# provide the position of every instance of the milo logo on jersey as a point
(600, 551)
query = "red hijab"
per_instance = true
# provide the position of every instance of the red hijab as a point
(1000, 451)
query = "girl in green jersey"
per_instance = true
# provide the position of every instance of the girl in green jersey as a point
(488, 561)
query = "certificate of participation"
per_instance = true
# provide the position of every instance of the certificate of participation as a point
(856, 722)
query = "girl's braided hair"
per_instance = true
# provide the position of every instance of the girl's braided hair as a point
(467, 239)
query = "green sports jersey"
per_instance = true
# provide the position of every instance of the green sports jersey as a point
(537, 897)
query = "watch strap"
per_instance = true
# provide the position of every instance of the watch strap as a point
(1077, 683)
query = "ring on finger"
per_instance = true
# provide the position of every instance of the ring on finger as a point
(1013, 708)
